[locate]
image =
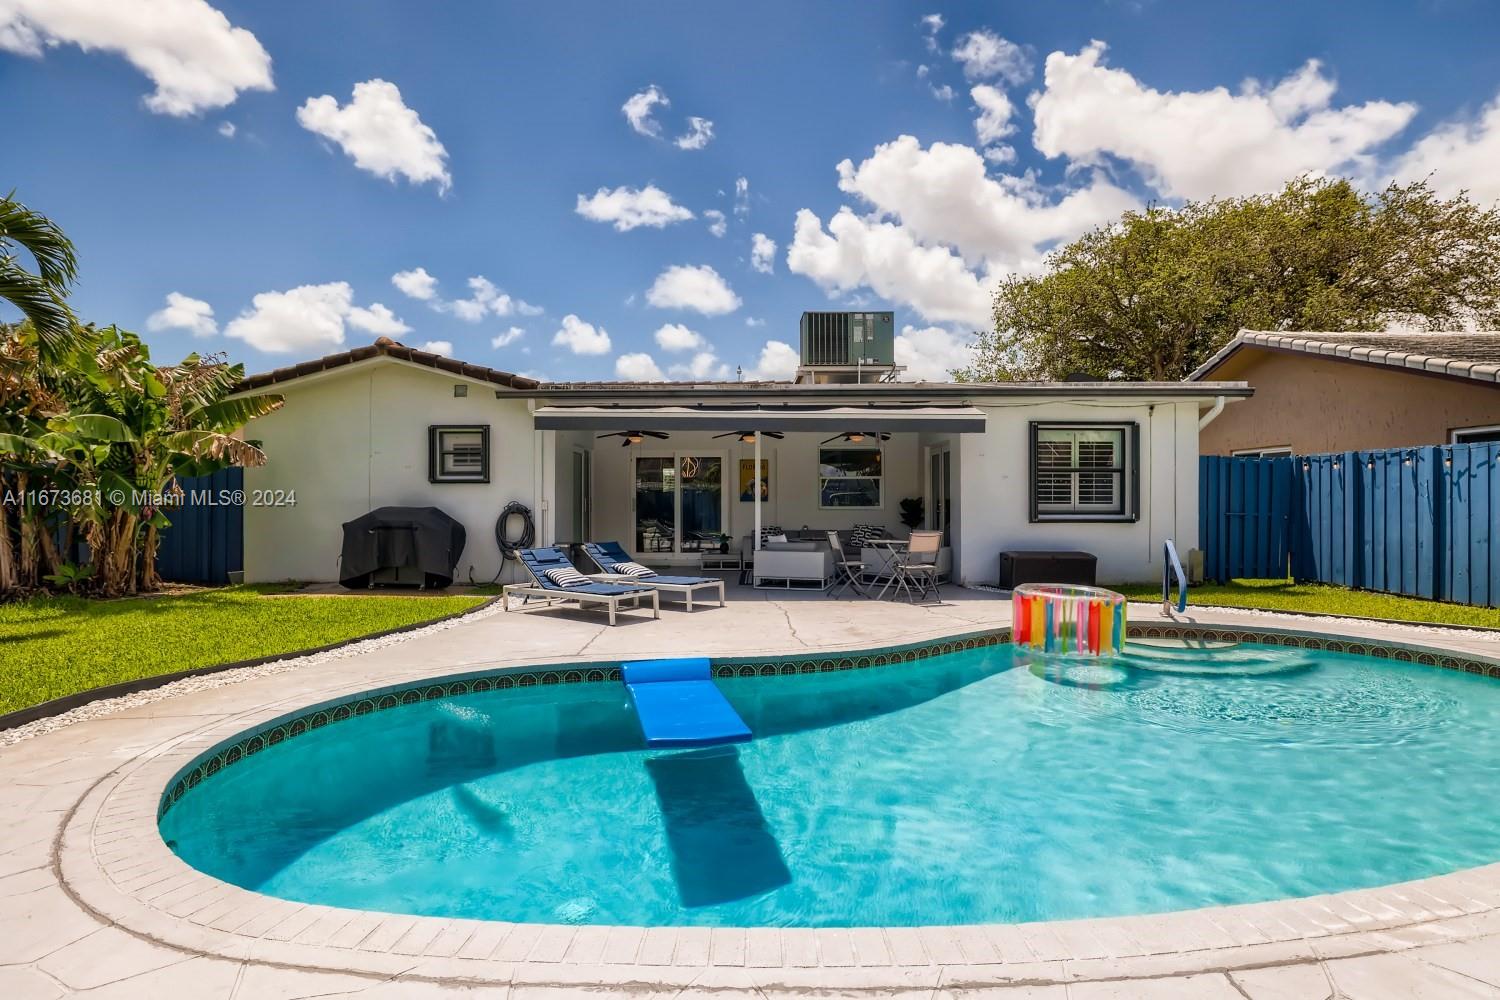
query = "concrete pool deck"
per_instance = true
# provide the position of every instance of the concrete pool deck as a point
(93, 903)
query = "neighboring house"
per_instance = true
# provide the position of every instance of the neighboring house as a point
(1111, 468)
(1322, 392)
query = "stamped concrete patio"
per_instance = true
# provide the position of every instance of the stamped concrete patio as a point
(92, 903)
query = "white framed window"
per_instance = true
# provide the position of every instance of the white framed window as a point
(850, 476)
(458, 453)
(1475, 435)
(1277, 451)
(1084, 471)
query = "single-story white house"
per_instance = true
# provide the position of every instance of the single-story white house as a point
(666, 468)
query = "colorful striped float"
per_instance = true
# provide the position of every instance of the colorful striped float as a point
(1068, 618)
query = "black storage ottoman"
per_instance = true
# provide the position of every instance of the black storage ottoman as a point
(1017, 568)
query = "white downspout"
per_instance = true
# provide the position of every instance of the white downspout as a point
(1208, 417)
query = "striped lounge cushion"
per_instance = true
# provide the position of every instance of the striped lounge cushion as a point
(632, 569)
(567, 576)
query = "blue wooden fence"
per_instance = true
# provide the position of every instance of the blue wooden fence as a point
(206, 541)
(1417, 521)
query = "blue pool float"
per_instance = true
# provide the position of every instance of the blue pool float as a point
(679, 705)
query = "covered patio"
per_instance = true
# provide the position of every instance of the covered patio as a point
(704, 485)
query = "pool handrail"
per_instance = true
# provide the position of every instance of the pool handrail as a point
(1172, 566)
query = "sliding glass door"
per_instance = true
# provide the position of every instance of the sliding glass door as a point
(679, 504)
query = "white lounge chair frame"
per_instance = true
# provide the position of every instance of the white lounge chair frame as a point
(685, 589)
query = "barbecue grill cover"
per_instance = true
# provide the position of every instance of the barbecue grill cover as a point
(393, 538)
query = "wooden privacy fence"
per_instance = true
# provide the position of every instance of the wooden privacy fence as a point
(1417, 521)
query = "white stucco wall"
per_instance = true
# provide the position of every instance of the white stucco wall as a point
(995, 500)
(355, 439)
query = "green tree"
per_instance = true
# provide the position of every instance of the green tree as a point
(39, 294)
(132, 428)
(1154, 295)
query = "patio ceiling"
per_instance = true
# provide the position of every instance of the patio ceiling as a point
(767, 417)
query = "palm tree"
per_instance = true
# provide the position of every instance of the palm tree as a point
(39, 295)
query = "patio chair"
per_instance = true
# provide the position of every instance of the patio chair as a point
(917, 565)
(847, 572)
(615, 561)
(612, 595)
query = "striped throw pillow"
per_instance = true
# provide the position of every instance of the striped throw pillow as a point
(862, 533)
(567, 576)
(767, 530)
(632, 569)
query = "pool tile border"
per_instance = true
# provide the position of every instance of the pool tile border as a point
(304, 721)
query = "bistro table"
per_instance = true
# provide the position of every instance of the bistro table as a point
(895, 545)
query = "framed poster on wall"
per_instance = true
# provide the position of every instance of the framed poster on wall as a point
(749, 481)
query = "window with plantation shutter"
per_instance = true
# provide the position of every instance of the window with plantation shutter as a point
(1082, 471)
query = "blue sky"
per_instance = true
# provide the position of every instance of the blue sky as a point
(969, 147)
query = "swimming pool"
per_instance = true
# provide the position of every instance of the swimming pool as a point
(975, 786)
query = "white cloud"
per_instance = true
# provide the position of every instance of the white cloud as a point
(944, 93)
(507, 337)
(638, 110)
(484, 299)
(1001, 154)
(299, 320)
(184, 313)
(942, 229)
(676, 337)
(704, 365)
(944, 195)
(931, 25)
(628, 208)
(858, 252)
(754, 321)
(638, 368)
(762, 253)
(1460, 156)
(984, 55)
(700, 289)
(379, 133)
(376, 319)
(700, 132)
(1199, 144)
(188, 49)
(717, 224)
(227, 129)
(778, 362)
(930, 353)
(995, 109)
(742, 196)
(416, 283)
(443, 347)
(580, 337)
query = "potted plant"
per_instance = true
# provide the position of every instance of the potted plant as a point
(913, 512)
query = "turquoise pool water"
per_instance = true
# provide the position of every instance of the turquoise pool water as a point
(974, 787)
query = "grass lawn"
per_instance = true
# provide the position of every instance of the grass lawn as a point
(1321, 599)
(50, 647)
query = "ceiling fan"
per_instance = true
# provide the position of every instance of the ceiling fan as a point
(857, 437)
(634, 437)
(749, 436)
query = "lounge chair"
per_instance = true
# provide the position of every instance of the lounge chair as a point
(611, 595)
(609, 555)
